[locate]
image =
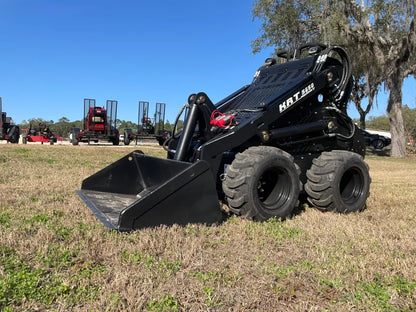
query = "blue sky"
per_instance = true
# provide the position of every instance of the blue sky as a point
(56, 53)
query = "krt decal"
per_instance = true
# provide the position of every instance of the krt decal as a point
(296, 97)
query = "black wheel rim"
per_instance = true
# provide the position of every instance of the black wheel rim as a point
(379, 144)
(274, 188)
(351, 186)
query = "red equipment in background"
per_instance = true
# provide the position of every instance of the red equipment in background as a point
(99, 124)
(42, 134)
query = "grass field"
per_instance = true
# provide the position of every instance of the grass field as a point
(55, 255)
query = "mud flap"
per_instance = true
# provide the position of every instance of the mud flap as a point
(140, 191)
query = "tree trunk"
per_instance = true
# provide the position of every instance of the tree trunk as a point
(394, 112)
(369, 105)
(362, 121)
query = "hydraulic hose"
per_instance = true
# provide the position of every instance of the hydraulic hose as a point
(346, 68)
(346, 72)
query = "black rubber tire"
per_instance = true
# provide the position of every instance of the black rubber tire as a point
(338, 181)
(75, 141)
(262, 182)
(15, 138)
(378, 144)
(116, 141)
(13, 133)
(126, 139)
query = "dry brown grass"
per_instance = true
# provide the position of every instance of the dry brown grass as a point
(55, 255)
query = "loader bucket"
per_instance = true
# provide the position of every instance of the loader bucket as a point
(140, 191)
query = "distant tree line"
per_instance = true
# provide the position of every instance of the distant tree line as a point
(122, 124)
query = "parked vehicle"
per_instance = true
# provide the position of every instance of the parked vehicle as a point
(375, 140)
(40, 133)
(99, 123)
(148, 128)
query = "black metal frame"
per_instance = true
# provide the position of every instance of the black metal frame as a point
(143, 115)
(160, 117)
(111, 107)
(157, 122)
(88, 103)
(155, 127)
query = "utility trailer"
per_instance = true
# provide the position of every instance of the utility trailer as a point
(263, 150)
(99, 123)
(148, 128)
(8, 131)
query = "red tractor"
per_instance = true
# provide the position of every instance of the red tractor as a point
(99, 124)
(8, 131)
(41, 134)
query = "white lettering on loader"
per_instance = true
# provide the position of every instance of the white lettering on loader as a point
(296, 97)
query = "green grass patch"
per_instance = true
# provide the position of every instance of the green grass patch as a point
(33, 155)
(57, 257)
(5, 219)
(209, 293)
(380, 290)
(164, 267)
(33, 198)
(210, 281)
(48, 160)
(273, 228)
(278, 271)
(58, 197)
(63, 232)
(216, 277)
(22, 151)
(88, 269)
(41, 218)
(205, 276)
(23, 282)
(166, 303)
(51, 220)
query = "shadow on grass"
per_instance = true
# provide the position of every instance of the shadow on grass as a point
(298, 210)
(385, 152)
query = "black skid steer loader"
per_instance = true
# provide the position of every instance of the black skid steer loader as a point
(258, 150)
